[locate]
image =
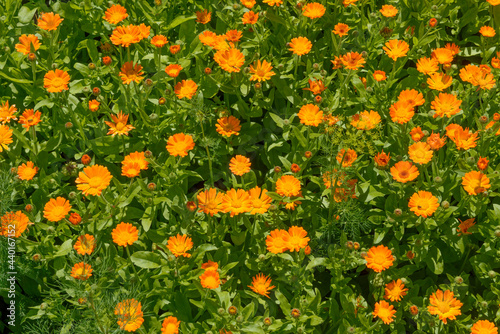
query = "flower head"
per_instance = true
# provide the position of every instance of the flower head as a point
(125, 234)
(130, 72)
(379, 76)
(126, 35)
(277, 241)
(85, 244)
(366, 120)
(486, 31)
(248, 3)
(261, 71)
(411, 97)
(341, 29)
(56, 209)
(439, 81)
(7, 112)
(170, 325)
(260, 200)
(262, 285)
(423, 203)
(173, 70)
(401, 112)
(404, 171)
(234, 35)
(115, 14)
(94, 105)
(465, 225)
(288, 185)
(347, 157)
(300, 46)
(310, 114)
(313, 10)
(316, 87)
(29, 118)
(239, 165)
(14, 224)
(27, 171)
(271, 3)
(49, 21)
(482, 163)
(475, 182)
(179, 144)
(210, 279)
(427, 65)
(384, 311)
(93, 180)
(352, 60)
(236, 202)
(389, 11)
(230, 60)
(209, 201)
(395, 290)
(119, 125)
(382, 159)
(174, 49)
(442, 55)
(56, 81)
(185, 88)
(435, 141)
(159, 41)
(130, 316)
(379, 258)
(396, 49)
(420, 152)
(228, 126)
(445, 305)
(81, 271)
(296, 239)
(203, 17)
(445, 105)
(5, 137)
(484, 327)
(250, 17)
(26, 42)
(179, 245)
(417, 134)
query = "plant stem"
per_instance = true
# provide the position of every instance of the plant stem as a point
(133, 266)
(208, 155)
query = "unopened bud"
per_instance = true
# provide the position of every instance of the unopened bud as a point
(459, 280)
(445, 204)
(68, 125)
(92, 66)
(28, 208)
(295, 313)
(161, 101)
(398, 212)
(36, 257)
(233, 310)
(492, 274)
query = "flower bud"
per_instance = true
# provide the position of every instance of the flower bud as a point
(191, 206)
(68, 125)
(153, 117)
(239, 319)
(316, 66)
(232, 310)
(151, 186)
(433, 22)
(262, 257)
(492, 274)
(414, 310)
(28, 208)
(161, 101)
(323, 73)
(349, 245)
(96, 91)
(257, 86)
(43, 306)
(277, 169)
(208, 70)
(497, 233)
(148, 82)
(483, 119)
(91, 66)
(459, 280)
(54, 66)
(268, 321)
(351, 329)
(107, 60)
(445, 204)
(356, 245)
(148, 154)
(36, 257)
(437, 179)
(398, 212)
(221, 311)
(295, 313)
(308, 154)
(300, 330)
(307, 250)
(31, 56)
(484, 304)
(158, 2)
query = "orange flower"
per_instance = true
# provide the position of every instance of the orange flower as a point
(446, 104)
(210, 279)
(262, 285)
(234, 35)
(250, 17)
(208, 38)
(420, 153)
(170, 325)
(313, 10)
(417, 134)
(427, 65)
(94, 105)
(277, 241)
(366, 120)
(74, 218)
(273, 2)
(56, 209)
(7, 112)
(494, 2)
(296, 239)
(14, 224)
(260, 200)
(495, 62)
(130, 72)
(179, 144)
(185, 88)
(49, 21)
(464, 226)
(210, 265)
(175, 49)
(444, 305)
(300, 46)
(115, 14)
(28, 170)
(484, 327)
(382, 159)
(404, 171)
(310, 114)
(341, 29)
(230, 60)
(236, 202)
(131, 169)
(439, 81)
(347, 158)
(442, 55)
(126, 35)
(349, 2)
(337, 63)
(125, 234)
(395, 290)
(475, 182)
(482, 163)
(352, 60)
(379, 258)
(411, 97)
(93, 180)
(5, 137)
(379, 75)
(85, 244)
(248, 3)
(423, 203)
(239, 165)
(478, 76)
(435, 141)
(453, 48)
(56, 81)
(203, 17)
(261, 71)
(173, 70)
(25, 43)
(396, 49)
(29, 118)
(138, 158)
(159, 41)
(119, 125)
(401, 112)
(179, 245)
(288, 185)
(463, 138)
(486, 31)
(81, 271)
(316, 87)
(130, 316)
(389, 11)
(144, 31)
(228, 126)
(209, 201)
(384, 311)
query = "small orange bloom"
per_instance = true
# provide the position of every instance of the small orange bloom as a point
(85, 244)
(384, 311)
(352, 60)
(239, 165)
(310, 114)
(379, 75)
(203, 17)
(446, 105)
(173, 70)
(236, 202)
(442, 55)
(126, 35)
(248, 3)
(427, 65)
(486, 31)
(288, 185)
(26, 42)
(56, 209)
(382, 159)
(475, 182)
(234, 35)
(261, 284)
(94, 105)
(347, 158)
(417, 134)
(56, 81)
(379, 258)
(404, 171)
(125, 234)
(464, 226)
(175, 49)
(341, 29)
(159, 41)
(228, 126)
(28, 170)
(130, 72)
(179, 144)
(411, 97)
(261, 71)
(316, 87)
(115, 14)
(81, 271)
(444, 305)
(423, 203)
(250, 17)
(230, 60)
(366, 120)
(119, 125)
(435, 141)
(396, 49)
(313, 10)
(179, 245)
(389, 11)
(210, 279)
(185, 88)
(420, 152)
(209, 201)
(7, 112)
(93, 180)
(439, 81)
(395, 290)
(401, 112)
(482, 163)
(300, 46)
(273, 2)
(49, 21)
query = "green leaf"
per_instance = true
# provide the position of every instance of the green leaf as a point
(64, 249)
(283, 302)
(434, 260)
(319, 261)
(147, 260)
(21, 81)
(92, 49)
(300, 137)
(179, 20)
(26, 15)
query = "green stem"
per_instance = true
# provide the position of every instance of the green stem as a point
(208, 155)
(133, 266)
(92, 306)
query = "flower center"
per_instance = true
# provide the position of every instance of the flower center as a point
(404, 174)
(95, 182)
(119, 126)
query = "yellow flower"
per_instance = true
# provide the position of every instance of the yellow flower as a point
(395, 290)
(239, 165)
(179, 245)
(262, 285)
(261, 71)
(130, 316)
(300, 46)
(81, 271)
(119, 125)
(125, 234)
(379, 258)
(444, 305)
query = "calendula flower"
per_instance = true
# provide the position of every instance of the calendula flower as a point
(14, 224)
(486, 31)
(482, 163)
(316, 87)
(239, 165)
(236, 202)
(94, 105)
(81, 271)
(384, 311)
(389, 11)
(347, 158)
(5, 137)
(228, 126)
(439, 81)
(180, 144)
(173, 70)
(56, 209)
(210, 279)
(115, 14)
(352, 60)
(446, 105)
(85, 244)
(180, 245)
(411, 97)
(273, 2)
(300, 46)
(296, 239)
(288, 185)
(159, 41)
(234, 35)
(29, 118)
(27, 171)
(379, 258)
(337, 63)
(208, 38)
(93, 180)
(119, 125)
(185, 88)
(420, 153)
(56, 81)
(74, 218)
(453, 48)
(382, 159)
(250, 17)
(7, 113)
(395, 291)
(445, 305)
(427, 65)
(396, 49)
(313, 10)
(203, 17)
(131, 169)
(144, 31)
(417, 134)
(366, 120)
(260, 200)
(248, 3)
(261, 71)
(277, 241)
(401, 112)
(484, 327)
(475, 182)
(478, 76)
(230, 60)
(130, 316)
(125, 234)
(379, 76)
(442, 55)
(404, 171)
(170, 325)
(423, 203)
(341, 29)
(174, 49)
(138, 158)
(130, 72)
(126, 35)
(435, 141)
(26, 42)
(310, 114)
(49, 21)
(210, 265)
(209, 201)
(464, 226)
(262, 285)
(463, 138)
